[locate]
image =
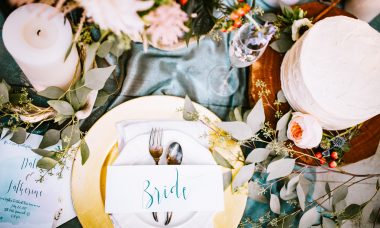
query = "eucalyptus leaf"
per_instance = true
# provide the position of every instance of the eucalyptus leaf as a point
(70, 135)
(275, 205)
(4, 93)
(46, 163)
(257, 155)
(244, 175)
(104, 49)
(302, 191)
(43, 153)
(310, 218)
(51, 137)
(6, 85)
(220, 160)
(327, 189)
(72, 98)
(81, 93)
(287, 195)
(350, 212)
(288, 191)
(367, 208)
(68, 51)
(96, 78)
(281, 127)
(102, 98)
(256, 117)
(227, 179)
(280, 168)
(19, 135)
(84, 151)
(117, 48)
(281, 97)
(7, 133)
(90, 56)
(238, 130)
(62, 107)
(60, 119)
(281, 45)
(238, 116)
(339, 206)
(254, 192)
(339, 194)
(374, 217)
(269, 17)
(328, 223)
(52, 92)
(189, 111)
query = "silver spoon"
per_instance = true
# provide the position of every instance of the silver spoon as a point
(173, 157)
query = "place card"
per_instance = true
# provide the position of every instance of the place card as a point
(145, 188)
(24, 202)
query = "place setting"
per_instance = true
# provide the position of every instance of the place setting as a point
(176, 146)
(187, 113)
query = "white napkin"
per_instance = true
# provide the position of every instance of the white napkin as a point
(133, 139)
(129, 129)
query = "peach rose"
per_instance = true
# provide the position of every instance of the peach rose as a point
(304, 130)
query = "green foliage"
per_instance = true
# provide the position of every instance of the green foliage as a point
(4, 92)
(47, 163)
(52, 92)
(204, 20)
(51, 137)
(84, 151)
(62, 107)
(44, 153)
(284, 22)
(102, 98)
(116, 45)
(19, 135)
(70, 135)
(96, 78)
(220, 160)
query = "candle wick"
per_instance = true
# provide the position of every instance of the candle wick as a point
(38, 32)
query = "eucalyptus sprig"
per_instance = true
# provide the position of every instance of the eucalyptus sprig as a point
(272, 165)
(65, 108)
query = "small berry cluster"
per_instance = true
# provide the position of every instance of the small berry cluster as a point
(334, 156)
(236, 18)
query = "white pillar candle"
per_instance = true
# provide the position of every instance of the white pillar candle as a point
(38, 37)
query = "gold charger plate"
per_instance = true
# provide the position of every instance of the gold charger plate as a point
(88, 181)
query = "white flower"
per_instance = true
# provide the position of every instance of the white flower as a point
(304, 130)
(297, 25)
(117, 15)
(166, 24)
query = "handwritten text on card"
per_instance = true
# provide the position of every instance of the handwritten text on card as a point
(164, 188)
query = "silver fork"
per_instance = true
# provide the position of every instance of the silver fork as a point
(155, 150)
(155, 144)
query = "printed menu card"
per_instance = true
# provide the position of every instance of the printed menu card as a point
(24, 202)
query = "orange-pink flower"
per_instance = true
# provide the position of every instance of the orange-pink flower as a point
(304, 130)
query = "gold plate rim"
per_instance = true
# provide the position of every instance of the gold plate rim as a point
(86, 181)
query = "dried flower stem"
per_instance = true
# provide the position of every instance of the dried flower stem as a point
(80, 27)
(324, 12)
